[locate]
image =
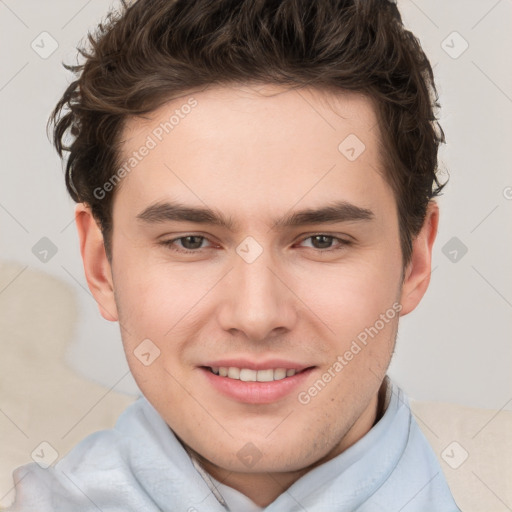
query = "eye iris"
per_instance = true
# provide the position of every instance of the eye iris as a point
(196, 245)
(326, 241)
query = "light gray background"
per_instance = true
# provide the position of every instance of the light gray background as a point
(456, 346)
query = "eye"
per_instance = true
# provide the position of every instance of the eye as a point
(323, 242)
(189, 243)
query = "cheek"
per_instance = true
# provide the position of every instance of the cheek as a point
(154, 311)
(358, 315)
(156, 299)
(349, 297)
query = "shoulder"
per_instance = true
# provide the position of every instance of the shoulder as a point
(99, 463)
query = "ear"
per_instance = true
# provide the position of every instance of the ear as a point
(96, 265)
(417, 274)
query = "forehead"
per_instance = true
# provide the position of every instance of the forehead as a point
(254, 147)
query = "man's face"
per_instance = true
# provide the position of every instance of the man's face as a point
(259, 291)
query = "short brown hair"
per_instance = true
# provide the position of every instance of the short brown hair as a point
(149, 52)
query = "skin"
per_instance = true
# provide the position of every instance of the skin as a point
(257, 153)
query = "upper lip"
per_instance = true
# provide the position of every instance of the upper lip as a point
(258, 365)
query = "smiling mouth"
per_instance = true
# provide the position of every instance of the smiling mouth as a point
(249, 375)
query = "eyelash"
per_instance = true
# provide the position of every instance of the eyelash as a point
(170, 243)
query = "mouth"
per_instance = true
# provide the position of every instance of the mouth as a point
(250, 375)
(251, 386)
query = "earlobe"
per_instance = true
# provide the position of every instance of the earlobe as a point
(417, 274)
(97, 268)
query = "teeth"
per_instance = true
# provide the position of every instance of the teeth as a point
(248, 375)
(265, 375)
(234, 373)
(279, 373)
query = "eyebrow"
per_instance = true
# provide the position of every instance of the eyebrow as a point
(339, 211)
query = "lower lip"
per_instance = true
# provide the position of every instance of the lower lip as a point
(256, 392)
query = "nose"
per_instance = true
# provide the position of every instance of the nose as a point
(260, 303)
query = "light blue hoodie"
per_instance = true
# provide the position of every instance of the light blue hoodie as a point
(140, 466)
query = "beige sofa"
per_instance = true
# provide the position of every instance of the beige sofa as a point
(43, 401)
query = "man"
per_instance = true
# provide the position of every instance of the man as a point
(255, 184)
